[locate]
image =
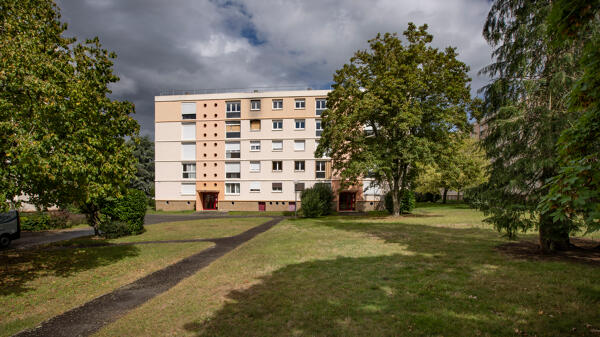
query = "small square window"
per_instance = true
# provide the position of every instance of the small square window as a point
(189, 171)
(255, 104)
(255, 125)
(233, 109)
(299, 145)
(278, 124)
(300, 103)
(277, 166)
(232, 188)
(277, 187)
(254, 166)
(255, 186)
(277, 104)
(277, 145)
(320, 106)
(299, 124)
(255, 145)
(299, 165)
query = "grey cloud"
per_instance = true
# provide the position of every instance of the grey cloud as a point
(185, 44)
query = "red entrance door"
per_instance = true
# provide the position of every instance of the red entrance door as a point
(347, 201)
(210, 201)
(262, 206)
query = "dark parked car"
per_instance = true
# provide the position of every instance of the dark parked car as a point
(10, 227)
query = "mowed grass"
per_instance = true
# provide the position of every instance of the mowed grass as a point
(36, 285)
(434, 273)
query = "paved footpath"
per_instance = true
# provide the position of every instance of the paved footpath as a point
(90, 317)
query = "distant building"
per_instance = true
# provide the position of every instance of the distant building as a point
(245, 151)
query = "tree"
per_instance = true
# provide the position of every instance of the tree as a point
(144, 153)
(464, 166)
(70, 137)
(393, 107)
(575, 191)
(525, 111)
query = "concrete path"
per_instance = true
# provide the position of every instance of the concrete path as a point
(32, 239)
(90, 317)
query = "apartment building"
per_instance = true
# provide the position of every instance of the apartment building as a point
(245, 151)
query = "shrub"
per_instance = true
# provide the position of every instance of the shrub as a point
(45, 221)
(128, 210)
(112, 229)
(407, 202)
(317, 201)
(427, 197)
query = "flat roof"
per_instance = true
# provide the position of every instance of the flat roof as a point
(242, 95)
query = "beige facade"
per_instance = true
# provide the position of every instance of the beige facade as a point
(243, 151)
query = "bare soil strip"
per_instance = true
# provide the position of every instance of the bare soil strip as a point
(90, 317)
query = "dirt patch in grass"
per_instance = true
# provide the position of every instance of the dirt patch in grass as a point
(583, 251)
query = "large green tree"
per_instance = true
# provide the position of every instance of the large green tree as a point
(463, 166)
(394, 106)
(575, 192)
(525, 110)
(68, 137)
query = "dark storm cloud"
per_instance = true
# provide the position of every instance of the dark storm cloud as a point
(186, 44)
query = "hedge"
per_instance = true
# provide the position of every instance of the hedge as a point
(126, 213)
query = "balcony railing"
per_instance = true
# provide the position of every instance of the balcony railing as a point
(233, 114)
(233, 134)
(232, 154)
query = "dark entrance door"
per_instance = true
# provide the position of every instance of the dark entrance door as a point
(262, 206)
(210, 201)
(347, 201)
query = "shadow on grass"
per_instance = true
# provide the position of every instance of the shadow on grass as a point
(448, 282)
(19, 267)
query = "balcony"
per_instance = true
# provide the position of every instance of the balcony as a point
(232, 154)
(233, 134)
(233, 114)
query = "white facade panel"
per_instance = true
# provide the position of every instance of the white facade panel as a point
(167, 131)
(171, 190)
(167, 151)
(188, 151)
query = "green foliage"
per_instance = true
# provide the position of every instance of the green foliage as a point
(525, 110)
(143, 151)
(394, 106)
(407, 202)
(45, 221)
(317, 201)
(111, 229)
(575, 191)
(427, 196)
(63, 136)
(463, 166)
(129, 211)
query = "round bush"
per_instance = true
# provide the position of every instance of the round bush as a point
(129, 209)
(311, 204)
(325, 195)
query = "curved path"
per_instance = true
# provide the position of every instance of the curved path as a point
(93, 315)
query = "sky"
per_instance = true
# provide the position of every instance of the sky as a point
(197, 44)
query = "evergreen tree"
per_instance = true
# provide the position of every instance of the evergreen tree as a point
(143, 151)
(525, 110)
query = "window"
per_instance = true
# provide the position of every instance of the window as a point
(255, 145)
(188, 131)
(254, 166)
(299, 165)
(255, 186)
(277, 104)
(232, 129)
(232, 188)
(299, 187)
(321, 103)
(255, 104)
(255, 125)
(188, 151)
(368, 129)
(320, 169)
(277, 145)
(189, 171)
(298, 145)
(232, 170)
(277, 166)
(188, 189)
(232, 150)
(299, 124)
(318, 127)
(300, 103)
(277, 124)
(277, 187)
(233, 109)
(188, 110)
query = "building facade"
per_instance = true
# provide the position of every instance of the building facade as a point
(245, 151)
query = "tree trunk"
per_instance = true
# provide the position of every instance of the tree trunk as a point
(553, 235)
(445, 196)
(395, 198)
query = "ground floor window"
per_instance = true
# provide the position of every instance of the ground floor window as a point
(232, 188)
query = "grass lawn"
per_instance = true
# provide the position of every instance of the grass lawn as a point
(39, 284)
(433, 273)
